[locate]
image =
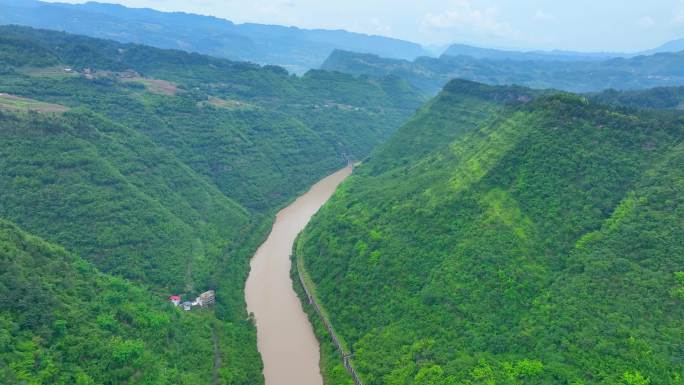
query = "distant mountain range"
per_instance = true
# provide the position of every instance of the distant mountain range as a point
(589, 75)
(554, 55)
(671, 46)
(295, 49)
(499, 54)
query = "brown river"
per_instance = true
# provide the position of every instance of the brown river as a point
(285, 337)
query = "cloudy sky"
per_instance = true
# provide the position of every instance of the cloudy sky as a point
(587, 25)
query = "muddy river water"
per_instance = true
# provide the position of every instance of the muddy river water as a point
(285, 337)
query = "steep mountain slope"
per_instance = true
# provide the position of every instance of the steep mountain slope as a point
(91, 173)
(162, 169)
(431, 74)
(463, 106)
(537, 246)
(296, 49)
(63, 322)
(238, 124)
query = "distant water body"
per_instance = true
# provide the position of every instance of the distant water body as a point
(285, 337)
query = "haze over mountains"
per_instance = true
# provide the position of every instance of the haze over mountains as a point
(498, 68)
(295, 49)
(554, 55)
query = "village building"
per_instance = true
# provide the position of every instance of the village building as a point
(205, 299)
(175, 299)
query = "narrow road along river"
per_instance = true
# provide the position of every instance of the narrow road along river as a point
(285, 337)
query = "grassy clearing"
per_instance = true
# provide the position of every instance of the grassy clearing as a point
(16, 103)
(156, 86)
(55, 72)
(227, 104)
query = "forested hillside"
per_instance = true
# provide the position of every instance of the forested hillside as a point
(534, 240)
(158, 171)
(63, 322)
(431, 74)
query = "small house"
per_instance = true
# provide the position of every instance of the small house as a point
(207, 298)
(175, 299)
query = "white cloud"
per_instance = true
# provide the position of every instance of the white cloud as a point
(543, 16)
(462, 15)
(379, 27)
(372, 26)
(679, 13)
(273, 7)
(646, 22)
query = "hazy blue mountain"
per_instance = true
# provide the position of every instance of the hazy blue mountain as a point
(555, 55)
(295, 49)
(431, 74)
(670, 46)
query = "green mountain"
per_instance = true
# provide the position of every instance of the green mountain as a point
(296, 49)
(591, 75)
(155, 172)
(508, 237)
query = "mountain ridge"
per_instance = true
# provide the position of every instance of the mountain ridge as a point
(431, 74)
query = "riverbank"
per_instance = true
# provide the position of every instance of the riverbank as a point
(336, 356)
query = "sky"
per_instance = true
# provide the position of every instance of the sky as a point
(582, 25)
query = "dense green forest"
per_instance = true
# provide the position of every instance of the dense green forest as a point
(147, 173)
(589, 75)
(505, 236)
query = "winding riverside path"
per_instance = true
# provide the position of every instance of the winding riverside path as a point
(285, 337)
